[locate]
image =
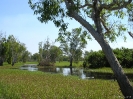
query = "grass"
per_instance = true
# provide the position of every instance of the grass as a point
(66, 64)
(109, 70)
(58, 64)
(20, 84)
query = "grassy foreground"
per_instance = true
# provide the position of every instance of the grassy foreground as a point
(20, 84)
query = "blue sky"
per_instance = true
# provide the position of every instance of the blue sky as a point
(16, 18)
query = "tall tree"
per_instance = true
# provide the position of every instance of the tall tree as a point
(40, 51)
(2, 48)
(55, 53)
(48, 53)
(103, 29)
(13, 45)
(15, 50)
(73, 43)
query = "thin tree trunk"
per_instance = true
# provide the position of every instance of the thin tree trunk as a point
(125, 86)
(71, 61)
(1, 61)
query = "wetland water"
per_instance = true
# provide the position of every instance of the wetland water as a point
(73, 71)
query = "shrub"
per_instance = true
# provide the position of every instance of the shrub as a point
(45, 62)
(97, 59)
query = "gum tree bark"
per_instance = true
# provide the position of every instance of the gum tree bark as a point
(124, 83)
(131, 34)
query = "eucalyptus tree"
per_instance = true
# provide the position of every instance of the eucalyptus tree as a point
(73, 43)
(12, 49)
(40, 47)
(48, 53)
(23, 54)
(2, 48)
(103, 29)
(55, 53)
(16, 51)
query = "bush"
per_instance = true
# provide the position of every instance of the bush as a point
(97, 59)
(45, 62)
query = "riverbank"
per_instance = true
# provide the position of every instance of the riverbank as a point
(57, 64)
(109, 70)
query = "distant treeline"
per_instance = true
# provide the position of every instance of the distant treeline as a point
(97, 59)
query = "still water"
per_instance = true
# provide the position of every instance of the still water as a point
(65, 71)
(72, 71)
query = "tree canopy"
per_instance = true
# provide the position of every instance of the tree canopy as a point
(73, 43)
(56, 11)
(12, 50)
(48, 53)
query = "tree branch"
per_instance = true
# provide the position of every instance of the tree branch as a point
(90, 5)
(110, 6)
(131, 34)
(106, 28)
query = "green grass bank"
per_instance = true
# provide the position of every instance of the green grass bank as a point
(21, 84)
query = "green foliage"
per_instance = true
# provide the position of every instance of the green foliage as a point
(35, 57)
(50, 10)
(2, 45)
(72, 43)
(48, 53)
(13, 50)
(16, 51)
(97, 59)
(2, 48)
(125, 56)
(55, 53)
(58, 10)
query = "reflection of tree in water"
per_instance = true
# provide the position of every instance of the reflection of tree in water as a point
(70, 71)
(76, 71)
(48, 69)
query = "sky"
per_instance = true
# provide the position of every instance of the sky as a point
(17, 18)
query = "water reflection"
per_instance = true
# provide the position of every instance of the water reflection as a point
(65, 71)
(73, 71)
(29, 67)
